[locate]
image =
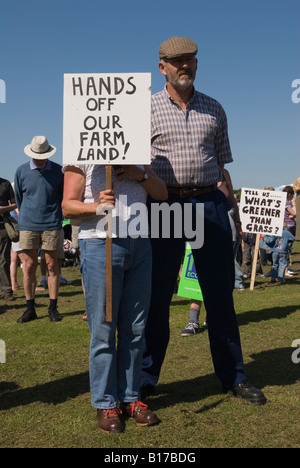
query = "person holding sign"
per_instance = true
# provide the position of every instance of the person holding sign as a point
(115, 368)
(190, 147)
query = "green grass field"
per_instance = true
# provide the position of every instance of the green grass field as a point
(44, 384)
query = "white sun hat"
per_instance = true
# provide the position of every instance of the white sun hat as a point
(39, 148)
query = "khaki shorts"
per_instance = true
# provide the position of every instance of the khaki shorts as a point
(60, 250)
(46, 240)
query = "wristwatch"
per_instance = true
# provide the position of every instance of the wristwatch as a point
(145, 177)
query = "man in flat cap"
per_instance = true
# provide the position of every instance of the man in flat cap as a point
(190, 147)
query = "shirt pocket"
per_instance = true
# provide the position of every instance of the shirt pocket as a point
(208, 130)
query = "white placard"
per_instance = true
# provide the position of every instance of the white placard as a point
(107, 118)
(262, 211)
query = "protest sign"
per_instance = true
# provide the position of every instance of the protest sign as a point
(262, 211)
(189, 285)
(107, 118)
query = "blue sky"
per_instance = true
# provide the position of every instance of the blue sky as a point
(248, 58)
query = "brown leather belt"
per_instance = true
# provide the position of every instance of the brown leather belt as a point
(192, 192)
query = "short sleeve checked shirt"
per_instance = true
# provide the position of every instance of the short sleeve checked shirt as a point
(188, 146)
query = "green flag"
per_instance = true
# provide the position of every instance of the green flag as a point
(189, 286)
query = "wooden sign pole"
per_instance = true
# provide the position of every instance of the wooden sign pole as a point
(254, 264)
(109, 252)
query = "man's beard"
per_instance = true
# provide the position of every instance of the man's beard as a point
(181, 83)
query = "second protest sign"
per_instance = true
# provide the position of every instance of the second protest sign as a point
(261, 213)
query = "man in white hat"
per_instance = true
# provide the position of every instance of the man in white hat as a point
(39, 191)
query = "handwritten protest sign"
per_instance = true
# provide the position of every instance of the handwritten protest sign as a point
(107, 118)
(262, 211)
(189, 286)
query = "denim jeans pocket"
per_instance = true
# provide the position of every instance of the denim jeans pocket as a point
(93, 241)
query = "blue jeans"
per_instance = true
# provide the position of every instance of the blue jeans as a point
(215, 269)
(115, 364)
(239, 275)
(280, 260)
(239, 281)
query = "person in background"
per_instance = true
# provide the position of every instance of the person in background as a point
(236, 228)
(296, 187)
(280, 247)
(15, 263)
(249, 241)
(15, 260)
(290, 209)
(39, 190)
(7, 204)
(193, 327)
(290, 219)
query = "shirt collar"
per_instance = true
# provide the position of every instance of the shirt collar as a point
(46, 168)
(191, 101)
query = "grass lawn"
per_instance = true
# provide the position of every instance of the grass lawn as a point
(44, 384)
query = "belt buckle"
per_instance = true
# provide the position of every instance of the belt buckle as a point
(183, 193)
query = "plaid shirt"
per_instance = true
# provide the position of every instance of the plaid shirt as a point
(188, 147)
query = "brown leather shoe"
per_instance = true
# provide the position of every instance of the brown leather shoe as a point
(109, 420)
(141, 413)
(9, 298)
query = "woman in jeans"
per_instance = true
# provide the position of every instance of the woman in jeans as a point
(115, 363)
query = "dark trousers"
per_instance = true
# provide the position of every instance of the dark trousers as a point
(5, 247)
(215, 269)
(249, 250)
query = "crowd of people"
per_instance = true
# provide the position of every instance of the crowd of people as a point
(274, 251)
(190, 147)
